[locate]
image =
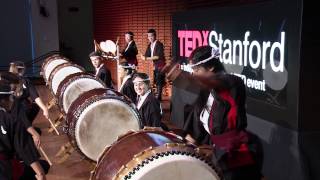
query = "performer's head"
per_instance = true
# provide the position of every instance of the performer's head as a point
(126, 69)
(10, 85)
(128, 36)
(17, 67)
(204, 61)
(96, 58)
(152, 35)
(141, 83)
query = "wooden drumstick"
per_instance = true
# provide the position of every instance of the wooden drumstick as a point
(53, 126)
(45, 156)
(96, 46)
(117, 41)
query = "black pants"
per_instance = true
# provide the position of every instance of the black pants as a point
(159, 80)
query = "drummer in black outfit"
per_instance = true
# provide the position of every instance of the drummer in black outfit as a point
(14, 142)
(127, 88)
(101, 71)
(155, 53)
(149, 107)
(129, 53)
(30, 97)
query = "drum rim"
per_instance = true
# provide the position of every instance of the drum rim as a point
(135, 162)
(49, 60)
(67, 81)
(57, 68)
(85, 100)
(124, 137)
(110, 139)
(167, 149)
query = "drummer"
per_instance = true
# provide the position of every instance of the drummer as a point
(101, 71)
(149, 107)
(13, 142)
(127, 88)
(30, 97)
(220, 113)
(129, 53)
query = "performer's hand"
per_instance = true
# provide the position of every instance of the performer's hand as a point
(190, 140)
(46, 113)
(40, 177)
(36, 140)
(172, 71)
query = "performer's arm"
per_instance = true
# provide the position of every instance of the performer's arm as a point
(43, 107)
(35, 136)
(40, 175)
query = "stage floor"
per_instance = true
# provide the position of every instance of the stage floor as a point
(75, 167)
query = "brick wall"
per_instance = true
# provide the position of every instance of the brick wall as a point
(112, 18)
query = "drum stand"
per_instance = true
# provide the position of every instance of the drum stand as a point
(56, 124)
(53, 127)
(65, 151)
(51, 103)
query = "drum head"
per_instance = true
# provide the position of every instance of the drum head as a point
(100, 124)
(51, 65)
(61, 74)
(174, 166)
(108, 46)
(76, 88)
(156, 155)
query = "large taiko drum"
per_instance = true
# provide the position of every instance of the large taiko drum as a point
(96, 119)
(73, 86)
(50, 63)
(152, 154)
(60, 72)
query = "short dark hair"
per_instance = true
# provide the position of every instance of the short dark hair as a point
(142, 76)
(95, 53)
(128, 69)
(130, 33)
(204, 52)
(9, 77)
(152, 31)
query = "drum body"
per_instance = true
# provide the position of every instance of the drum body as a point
(59, 73)
(50, 63)
(96, 119)
(152, 154)
(73, 86)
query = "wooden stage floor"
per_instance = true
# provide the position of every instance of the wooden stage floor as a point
(75, 167)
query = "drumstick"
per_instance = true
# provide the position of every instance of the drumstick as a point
(96, 46)
(53, 126)
(45, 156)
(117, 40)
